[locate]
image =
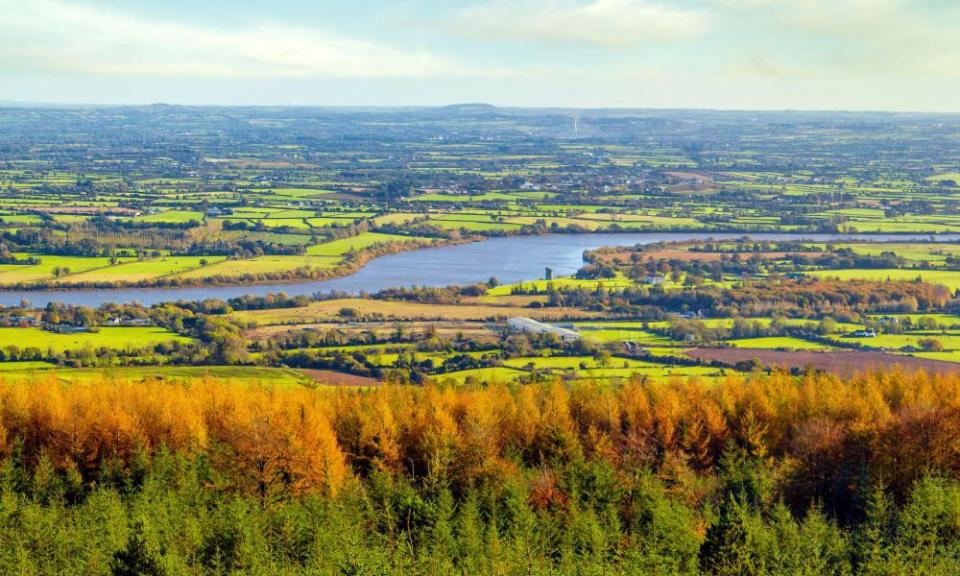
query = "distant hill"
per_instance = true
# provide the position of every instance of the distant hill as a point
(468, 109)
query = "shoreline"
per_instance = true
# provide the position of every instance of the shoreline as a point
(366, 255)
(344, 269)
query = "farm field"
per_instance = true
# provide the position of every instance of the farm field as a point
(918, 252)
(499, 375)
(843, 363)
(139, 271)
(586, 367)
(120, 338)
(346, 309)
(948, 278)
(949, 341)
(50, 267)
(157, 374)
(642, 337)
(778, 343)
(172, 217)
(357, 243)
(258, 265)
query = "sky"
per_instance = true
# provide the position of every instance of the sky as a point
(899, 55)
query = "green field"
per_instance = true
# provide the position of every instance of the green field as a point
(28, 366)
(356, 243)
(948, 278)
(260, 265)
(15, 274)
(954, 176)
(486, 375)
(238, 374)
(171, 217)
(918, 252)
(950, 340)
(637, 336)
(118, 338)
(778, 342)
(138, 271)
(560, 283)
(588, 367)
(571, 362)
(298, 192)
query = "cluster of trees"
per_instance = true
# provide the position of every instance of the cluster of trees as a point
(696, 270)
(218, 339)
(801, 298)
(436, 295)
(57, 313)
(244, 248)
(324, 349)
(278, 300)
(774, 475)
(7, 257)
(741, 245)
(102, 236)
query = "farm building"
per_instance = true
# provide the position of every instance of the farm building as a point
(864, 334)
(531, 326)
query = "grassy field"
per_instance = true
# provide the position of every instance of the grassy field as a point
(328, 222)
(486, 197)
(172, 217)
(948, 278)
(487, 375)
(471, 226)
(951, 356)
(15, 273)
(357, 243)
(918, 252)
(637, 336)
(571, 362)
(330, 310)
(298, 192)
(954, 176)
(295, 223)
(945, 320)
(137, 271)
(260, 265)
(119, 338)
(560, 283)
(778, 342)
(950, 340)
(584, 368)
(237, 374)
(24, 366)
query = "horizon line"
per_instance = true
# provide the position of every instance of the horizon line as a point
(93, 105)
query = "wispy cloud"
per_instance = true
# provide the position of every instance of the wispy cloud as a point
(609, 23)
(61, 37)
(844, 39)
(880, 36)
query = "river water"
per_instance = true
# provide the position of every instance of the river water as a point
(510, 259)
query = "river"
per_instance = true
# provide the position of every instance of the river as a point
(510, 259)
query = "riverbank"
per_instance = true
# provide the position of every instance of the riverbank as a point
(509, 259)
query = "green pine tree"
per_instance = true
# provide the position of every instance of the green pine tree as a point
(726, 551)
(135, 559)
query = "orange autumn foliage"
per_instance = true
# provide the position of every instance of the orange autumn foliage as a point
(900, 424)
(266, 433)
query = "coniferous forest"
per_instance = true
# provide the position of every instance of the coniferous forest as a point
(768, 474)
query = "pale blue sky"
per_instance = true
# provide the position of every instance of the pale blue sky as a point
(741, 54)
